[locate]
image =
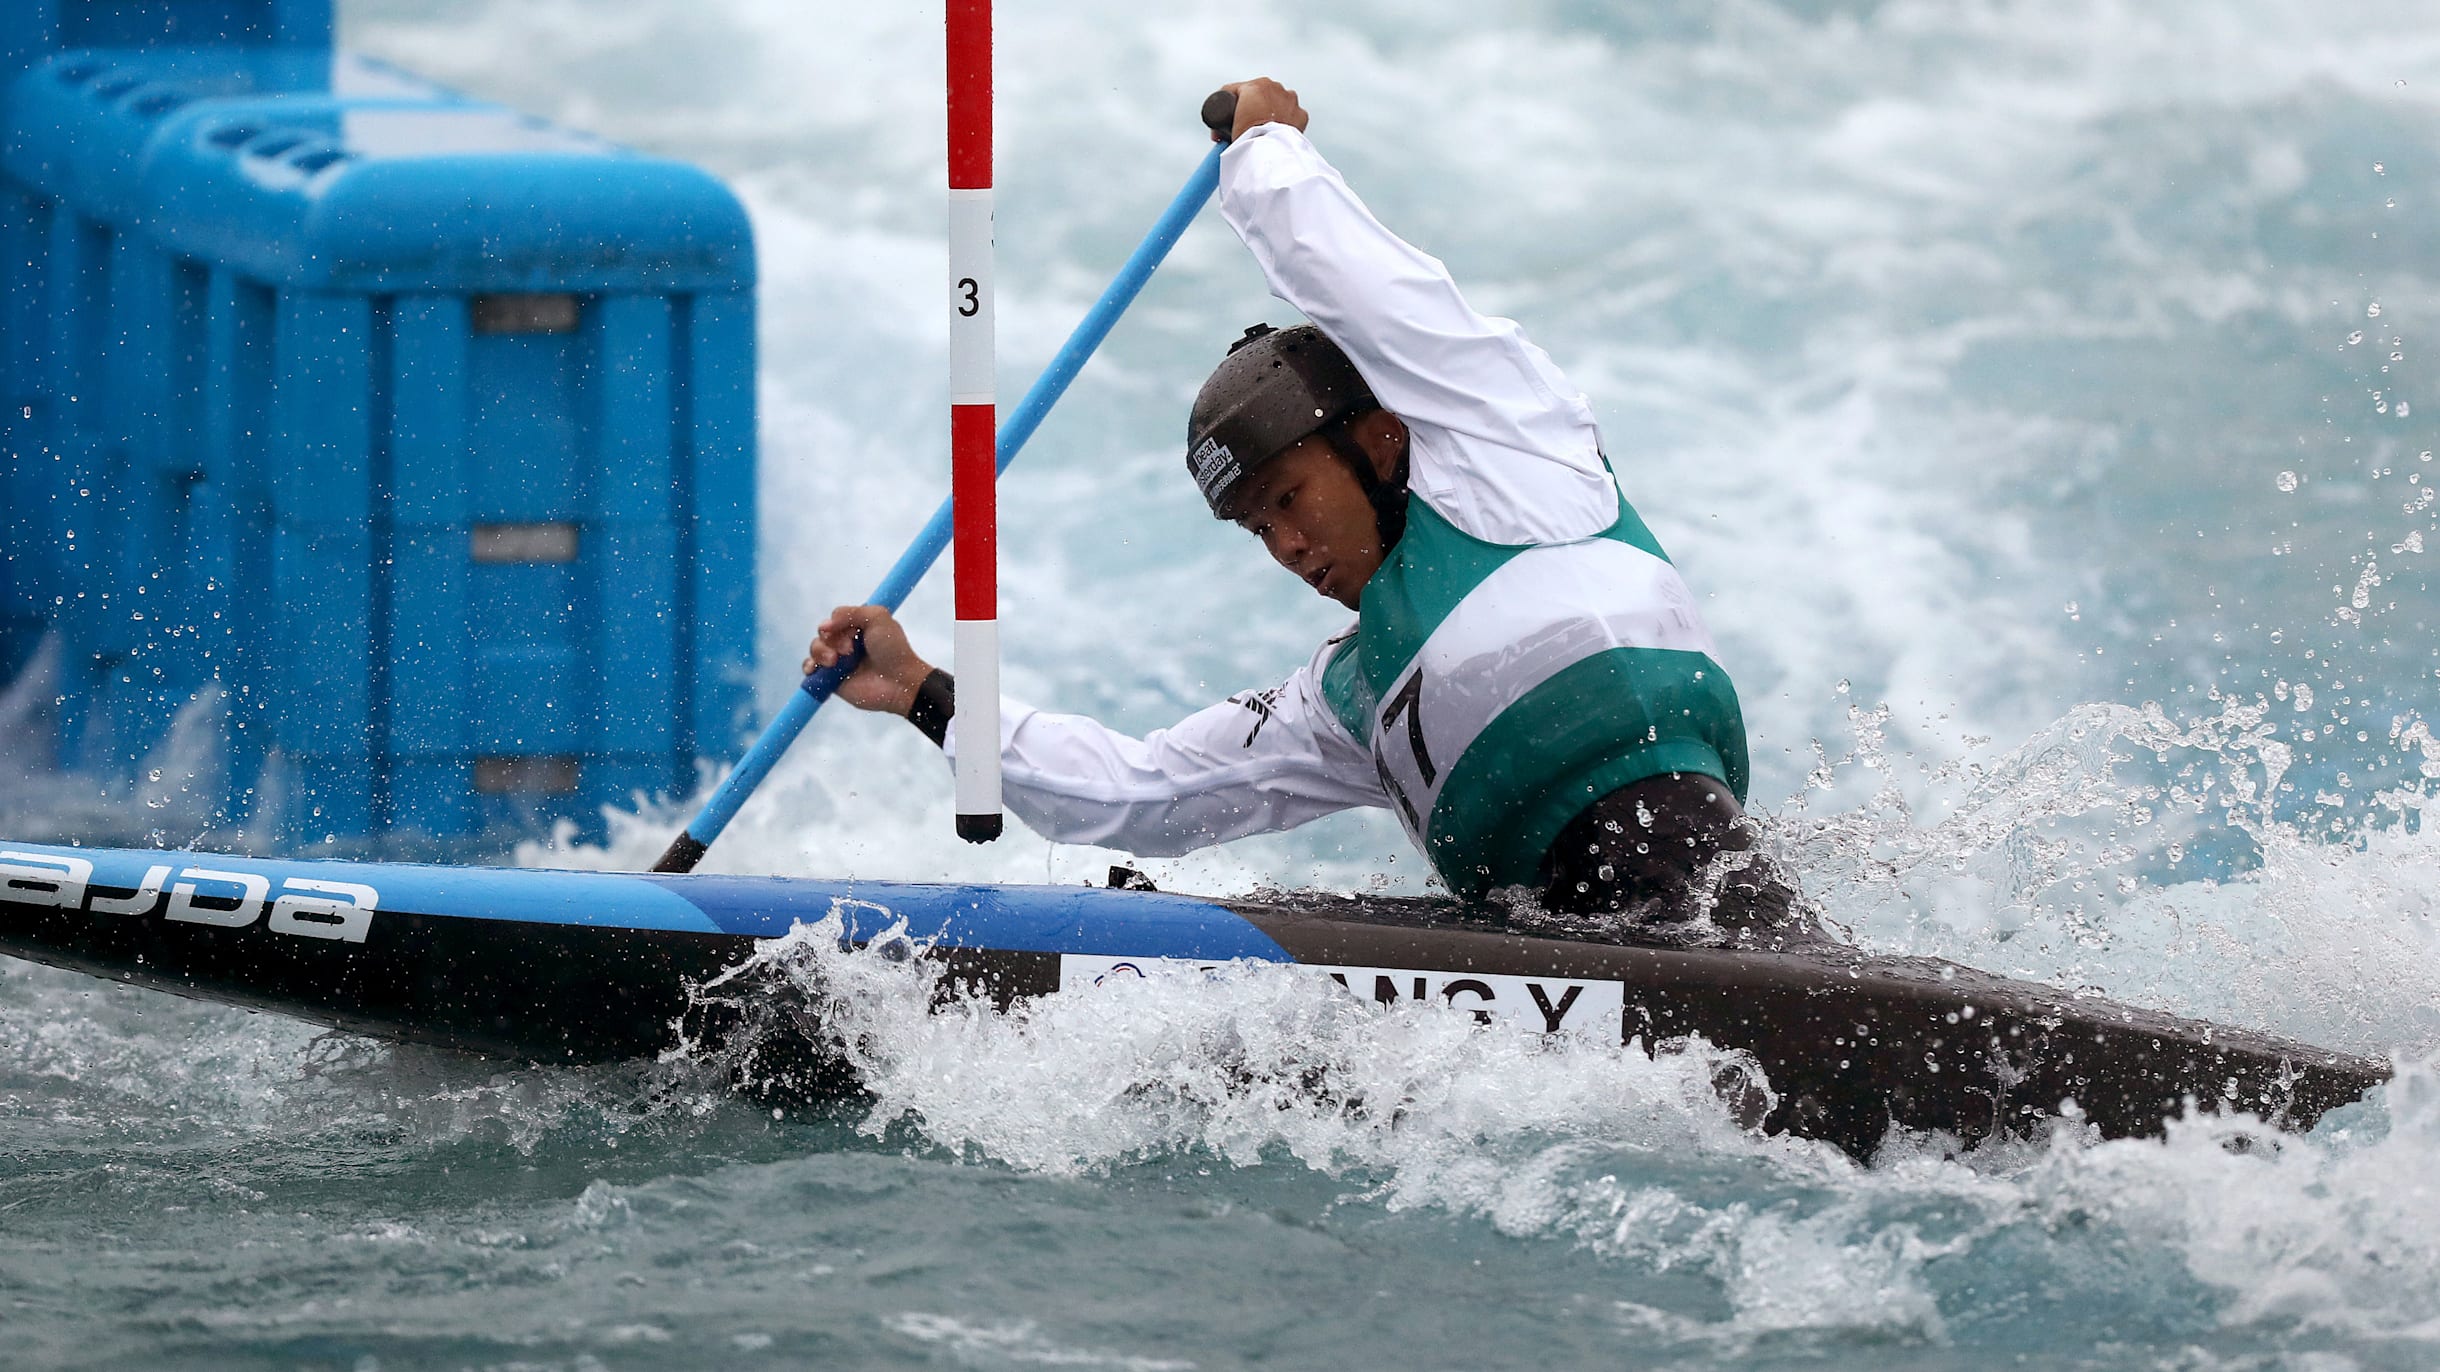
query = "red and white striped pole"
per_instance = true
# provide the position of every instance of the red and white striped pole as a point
(973, 420)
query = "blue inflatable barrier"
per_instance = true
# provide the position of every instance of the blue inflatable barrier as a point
(39, 27)
(415, 432)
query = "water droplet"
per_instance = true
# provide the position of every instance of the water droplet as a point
(2377, 168)
(1843, 686)
(2373, 310)
(2288, 481)
(2355, 338)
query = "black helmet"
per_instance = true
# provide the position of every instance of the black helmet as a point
(1276, 386)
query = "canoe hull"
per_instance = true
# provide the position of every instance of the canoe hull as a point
(569, 967)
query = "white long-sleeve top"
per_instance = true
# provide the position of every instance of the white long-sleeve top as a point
(1499, 444)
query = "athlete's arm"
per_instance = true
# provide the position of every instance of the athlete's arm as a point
(1502, 442)
(1252, 764)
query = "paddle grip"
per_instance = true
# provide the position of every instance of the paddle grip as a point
(825, 683)
(1220, 115)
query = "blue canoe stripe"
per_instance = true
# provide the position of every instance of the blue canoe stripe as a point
(1024, 919)
(591, 900)
(1032, 919)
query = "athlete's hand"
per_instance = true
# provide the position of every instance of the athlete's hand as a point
(1263, 101)
(891, 671)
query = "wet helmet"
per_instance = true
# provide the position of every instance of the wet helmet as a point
(1276, 386)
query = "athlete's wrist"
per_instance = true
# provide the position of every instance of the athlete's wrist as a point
(933, 705)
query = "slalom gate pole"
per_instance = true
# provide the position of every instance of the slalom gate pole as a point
(688, 847)
(973, 493)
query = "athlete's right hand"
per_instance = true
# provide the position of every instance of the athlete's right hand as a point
(891, 671)
(1263, 101)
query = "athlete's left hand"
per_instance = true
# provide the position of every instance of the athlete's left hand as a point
(890, 673)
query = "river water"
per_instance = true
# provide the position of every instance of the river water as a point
(2038, 395)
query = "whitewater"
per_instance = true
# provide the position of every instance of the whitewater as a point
(2037, 395)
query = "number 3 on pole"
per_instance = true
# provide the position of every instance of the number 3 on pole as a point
(973, 418)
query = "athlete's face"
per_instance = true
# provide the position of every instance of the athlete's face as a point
(1311, 514)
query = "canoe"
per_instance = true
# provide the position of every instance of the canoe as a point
(584, 967)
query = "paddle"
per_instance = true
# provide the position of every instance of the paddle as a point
(687, 849)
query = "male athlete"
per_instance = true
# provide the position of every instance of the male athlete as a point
(1527, 686)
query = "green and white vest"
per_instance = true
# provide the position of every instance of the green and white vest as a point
(1503, 689)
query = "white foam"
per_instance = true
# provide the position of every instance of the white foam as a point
(1247, 1063)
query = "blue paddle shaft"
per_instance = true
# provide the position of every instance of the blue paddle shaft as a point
(689, 846)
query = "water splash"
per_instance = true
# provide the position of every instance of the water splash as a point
(1246, 1063)
(1632, 1159)
(2168, 861)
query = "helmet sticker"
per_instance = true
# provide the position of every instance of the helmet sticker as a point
(1215, 467)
